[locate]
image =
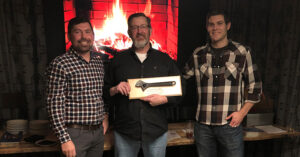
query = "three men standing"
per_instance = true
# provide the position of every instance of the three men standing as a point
(227, 80)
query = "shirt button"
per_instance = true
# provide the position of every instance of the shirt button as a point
(216, 76)
(214, 97)
(218, 66)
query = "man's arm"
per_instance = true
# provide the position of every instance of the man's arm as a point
(105, 123)
(188, 70)
(56, 85)
(252, 80)
(111, 86)
(253, 87)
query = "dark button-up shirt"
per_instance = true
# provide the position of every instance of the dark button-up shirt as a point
(135, 118)
(222, 77)
(74, 92)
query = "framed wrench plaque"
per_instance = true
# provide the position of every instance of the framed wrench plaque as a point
(168, 86)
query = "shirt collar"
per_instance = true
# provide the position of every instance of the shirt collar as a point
(209, 48)
(73, 51)
(132, 50)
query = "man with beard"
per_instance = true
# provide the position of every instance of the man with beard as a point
(74, 94)
(224, 71)
(139, 123)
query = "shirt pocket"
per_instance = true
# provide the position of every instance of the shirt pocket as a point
(232, 71)
(205, 71)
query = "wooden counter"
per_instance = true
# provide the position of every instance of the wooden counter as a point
(25, 147)
(179, 128)
(258, 136)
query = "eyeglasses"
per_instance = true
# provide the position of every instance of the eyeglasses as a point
(141, 27)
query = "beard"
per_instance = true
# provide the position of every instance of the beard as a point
(83, 46)
(141, 43)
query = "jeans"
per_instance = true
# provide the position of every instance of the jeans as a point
(127, 147)
(209, 137)
(88, 143)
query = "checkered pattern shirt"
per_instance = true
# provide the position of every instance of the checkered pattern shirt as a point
(74, 92)
(225, 81)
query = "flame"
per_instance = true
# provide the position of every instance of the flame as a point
(114, 35)
(147, 10)
(113, 31)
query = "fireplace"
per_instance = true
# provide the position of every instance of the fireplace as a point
(109, 19)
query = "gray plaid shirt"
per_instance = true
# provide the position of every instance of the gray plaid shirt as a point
(222, 79)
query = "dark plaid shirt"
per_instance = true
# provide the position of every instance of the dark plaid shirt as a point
(222, 79)
(74, 92)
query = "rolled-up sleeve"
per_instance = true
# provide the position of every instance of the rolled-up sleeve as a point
(253, 83)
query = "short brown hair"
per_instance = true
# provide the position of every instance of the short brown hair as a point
(139, 15)
(77, 20)
(218, 12)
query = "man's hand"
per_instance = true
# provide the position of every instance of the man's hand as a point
(105, 124)
(236, 118)
(155, 99)
(122, 87)
(68, 149)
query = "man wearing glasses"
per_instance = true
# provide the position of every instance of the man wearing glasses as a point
(139, 123)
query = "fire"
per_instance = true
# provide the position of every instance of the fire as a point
(113, 34)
